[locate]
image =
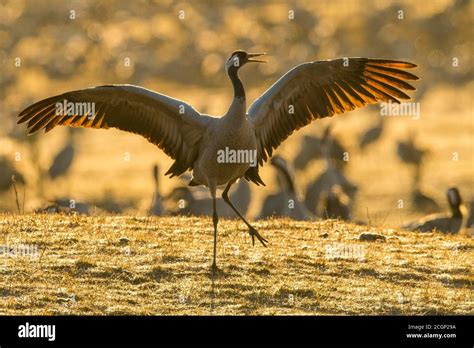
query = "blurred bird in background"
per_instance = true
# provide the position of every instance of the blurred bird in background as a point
(336, 204)
(63, 160)
(451, 222)
(372, 134)
(7, 171)
(414, 156)
(157, 204)
(312, 148)
(182, 201)
(322, 190)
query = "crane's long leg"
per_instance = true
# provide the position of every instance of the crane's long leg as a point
(215, 220)
(252, 231)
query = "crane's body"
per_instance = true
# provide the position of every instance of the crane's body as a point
(232, 131)
(195, 141)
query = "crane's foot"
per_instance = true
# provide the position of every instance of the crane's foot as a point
(254, 233)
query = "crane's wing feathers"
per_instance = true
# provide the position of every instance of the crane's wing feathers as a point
(171, 124)
(322, 89)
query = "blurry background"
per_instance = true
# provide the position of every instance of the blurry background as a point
(179, 48)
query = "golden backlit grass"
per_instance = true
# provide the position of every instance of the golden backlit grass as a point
(151, 266)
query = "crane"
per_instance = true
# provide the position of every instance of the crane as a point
(285, 203)
(372, 134)
(309, 91)
(410, 153)
(330, 195)
(62, 162)
(336, 204)
(156, 207)
(313, 148)
(452, 222)
(185, 202)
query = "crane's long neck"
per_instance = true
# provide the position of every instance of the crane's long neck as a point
(456, 211)
(286, 179)
(239, 92)
(155, 179)
(238, 108)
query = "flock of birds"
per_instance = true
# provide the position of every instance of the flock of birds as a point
(331, 195)
(308, 92)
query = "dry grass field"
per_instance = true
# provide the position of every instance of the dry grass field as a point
(129, 263)
(151, 266)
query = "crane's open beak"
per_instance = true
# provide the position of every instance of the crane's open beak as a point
(251, 55)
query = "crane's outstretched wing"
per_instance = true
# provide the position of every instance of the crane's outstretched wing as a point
(321, 89)
(171, 124)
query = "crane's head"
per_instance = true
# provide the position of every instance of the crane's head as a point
(239, 58)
